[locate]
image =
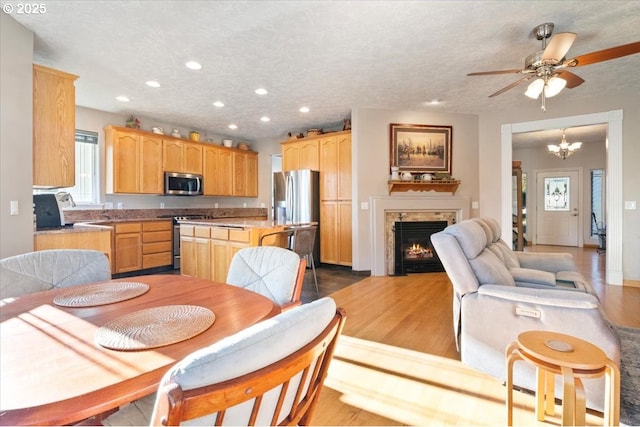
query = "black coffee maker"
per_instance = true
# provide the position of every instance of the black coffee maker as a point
(48, 212)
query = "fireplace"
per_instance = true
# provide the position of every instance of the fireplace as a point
(413, 250)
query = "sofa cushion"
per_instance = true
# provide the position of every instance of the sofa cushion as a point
(490, 270)
(470, 236)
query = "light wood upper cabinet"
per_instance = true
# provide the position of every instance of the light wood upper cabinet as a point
(335, 167)
(303, 154)
(217, 171)
(245, 174)
(54, 110)
(133, 162)
(136, 161)
(182, 156)
(151, 174)
(172, 155)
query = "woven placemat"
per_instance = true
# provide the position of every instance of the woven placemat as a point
(100, 294)
(155, 327)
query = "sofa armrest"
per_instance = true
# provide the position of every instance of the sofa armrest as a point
(531, 276)
(546, 261)
(547, 297)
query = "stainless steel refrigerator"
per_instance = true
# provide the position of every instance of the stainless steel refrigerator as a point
(296, 199)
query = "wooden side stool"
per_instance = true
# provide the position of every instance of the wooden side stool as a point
(559, 354)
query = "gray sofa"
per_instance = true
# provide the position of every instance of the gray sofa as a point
(56, 268)
(499, 293)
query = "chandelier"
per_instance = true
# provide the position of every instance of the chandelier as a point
(564, 149)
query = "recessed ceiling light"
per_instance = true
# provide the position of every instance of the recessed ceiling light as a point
(435, 101)
(218, 104)
(264, 119)
(261, 91)
(304, 109)
(153, 83)
(232, 126)
(193, 65)
(122, 98)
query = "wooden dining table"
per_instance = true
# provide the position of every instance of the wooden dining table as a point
(53, 372)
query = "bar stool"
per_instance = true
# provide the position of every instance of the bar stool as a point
(301, 240)
(554, 353)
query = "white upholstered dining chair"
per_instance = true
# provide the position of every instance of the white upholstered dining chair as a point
(268, 374)
(56, 268)
(271, 271)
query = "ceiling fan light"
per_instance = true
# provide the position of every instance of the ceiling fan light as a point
(553, 86)
(535, 88)
(553, 148)
(575, 146)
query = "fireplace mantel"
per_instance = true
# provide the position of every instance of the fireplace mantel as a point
(439, 186)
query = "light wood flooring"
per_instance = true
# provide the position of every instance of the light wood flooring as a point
(396, 362)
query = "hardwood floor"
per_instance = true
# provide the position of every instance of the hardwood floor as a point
(396, 362)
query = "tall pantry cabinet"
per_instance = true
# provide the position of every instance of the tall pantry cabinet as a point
(54, 122)
(335, 199)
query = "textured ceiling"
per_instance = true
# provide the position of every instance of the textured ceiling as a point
(331, 56)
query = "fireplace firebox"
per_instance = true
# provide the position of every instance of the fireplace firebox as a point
(414, 252)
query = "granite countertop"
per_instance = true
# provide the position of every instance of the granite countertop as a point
(74, 228)
(232, 223)
(242, 223)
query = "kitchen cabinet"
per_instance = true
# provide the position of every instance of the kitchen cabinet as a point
(127, 247)
(133, 162)
(302, 154)
(335, 232)
(207, 250)
(335, 199)
(217, 171)
(157, 244)
(97, 239)
(182, 156)
(142, 245)
(54, 112)
(245, 174)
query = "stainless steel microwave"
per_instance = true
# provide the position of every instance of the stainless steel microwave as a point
(182, 184)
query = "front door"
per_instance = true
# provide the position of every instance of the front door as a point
(558, 208)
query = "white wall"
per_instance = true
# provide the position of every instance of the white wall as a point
(490, 159)
(371, 167)
(16, 136)
(591, 156)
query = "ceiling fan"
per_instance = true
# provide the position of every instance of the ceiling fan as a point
(550, 66)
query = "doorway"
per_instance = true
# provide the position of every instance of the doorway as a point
(613, 119)
(558, 208)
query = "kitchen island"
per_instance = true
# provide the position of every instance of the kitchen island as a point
(207, 245)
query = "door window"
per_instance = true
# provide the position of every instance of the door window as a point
(556, 193)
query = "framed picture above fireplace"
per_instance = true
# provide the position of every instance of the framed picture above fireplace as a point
(421, 148)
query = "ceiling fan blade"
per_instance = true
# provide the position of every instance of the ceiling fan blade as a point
(486, 73)
(604, 55)
(572, 79)
(512, 85)
(558, 48)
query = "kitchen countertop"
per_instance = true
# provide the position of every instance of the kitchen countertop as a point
(232, 223)
(242, 223)
(73, 228)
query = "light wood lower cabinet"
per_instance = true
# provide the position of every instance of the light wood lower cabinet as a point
(335, 232)
(206, 251)
(97, 240)
(142, 245)
(128, 247)
(157, 244)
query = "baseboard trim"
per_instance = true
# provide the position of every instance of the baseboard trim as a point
(631, 283)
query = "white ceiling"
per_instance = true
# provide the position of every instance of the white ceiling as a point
(331, 56)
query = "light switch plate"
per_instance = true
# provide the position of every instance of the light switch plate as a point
(630, 204)
(364, 206)
(13, 207)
